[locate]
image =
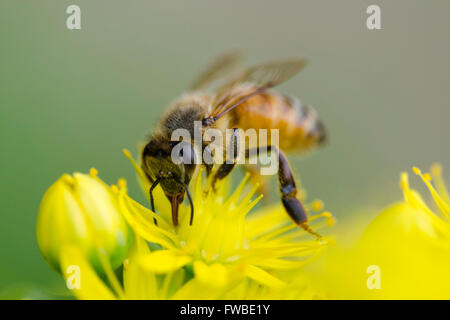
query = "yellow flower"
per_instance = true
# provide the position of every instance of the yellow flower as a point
(403, 254)
(82, 211)
(223, 236)
(226, 254)
(137, 282)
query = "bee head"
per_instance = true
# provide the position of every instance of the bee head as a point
(171, 164)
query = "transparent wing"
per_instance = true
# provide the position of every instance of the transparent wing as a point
(219, 67)
(260, 77)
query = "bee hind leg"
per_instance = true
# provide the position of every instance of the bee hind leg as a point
(288, 189)
(288, 192)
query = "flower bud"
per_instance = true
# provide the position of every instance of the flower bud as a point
(81, 210)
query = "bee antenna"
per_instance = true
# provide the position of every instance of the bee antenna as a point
(191, 203)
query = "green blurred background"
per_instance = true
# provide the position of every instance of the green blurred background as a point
(73, 99)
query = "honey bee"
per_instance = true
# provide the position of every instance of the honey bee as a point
(247, 101)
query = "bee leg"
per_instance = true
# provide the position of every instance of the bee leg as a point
(288, 192)
(152, 201)
(208, 166)
(225, 168)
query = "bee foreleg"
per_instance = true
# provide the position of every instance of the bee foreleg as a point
(152, 201)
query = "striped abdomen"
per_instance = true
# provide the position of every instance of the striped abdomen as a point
(299, 125)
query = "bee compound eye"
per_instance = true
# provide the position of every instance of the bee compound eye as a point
(146, 150)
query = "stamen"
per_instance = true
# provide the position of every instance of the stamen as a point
(329, 219)
(442, 205)
(127, 153)
(327, 214)
(247, 208)
(317, 205)
(436, 169)
(114, 189)
(93, 172)
(404, 184)
(436, 172)
(122, 183)
(238, 191)
(276, 232)
(138, 169)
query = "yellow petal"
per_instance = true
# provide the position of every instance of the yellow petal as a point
(75, 264)
(163, 261)
(139, 283)
(263, 277)
(194, 290)
(214, 275)
(135, 217)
